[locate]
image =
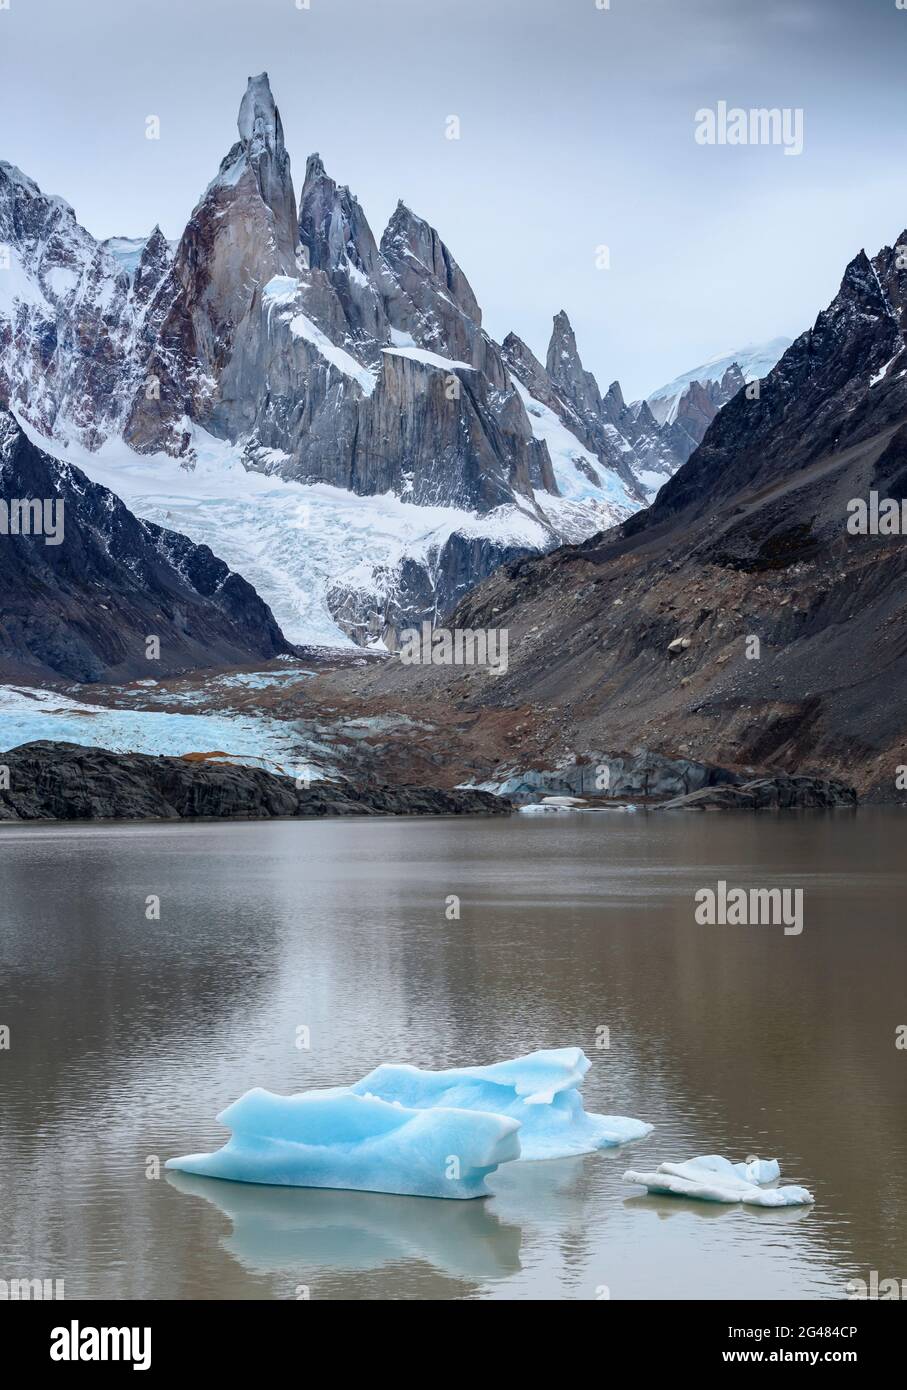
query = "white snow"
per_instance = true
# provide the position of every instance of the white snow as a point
(565, 450)
(281, 287)
(355, 274)
(18, 286)
(283, 292)
(62, 281)
(880, 375)
(651, 481)
(428, 359)
(290, 540)
(755, 361)
(712, 1178)
(303, 327)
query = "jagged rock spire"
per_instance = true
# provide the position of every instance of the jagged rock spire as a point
(261, 149)
(411, 243)
(259, 123)
(566, 369)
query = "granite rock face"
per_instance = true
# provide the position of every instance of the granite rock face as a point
(63, 781)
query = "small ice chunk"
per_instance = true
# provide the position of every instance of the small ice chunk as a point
(712, 1178)
(335, 1138)
(759, 1170)
(540, 1090)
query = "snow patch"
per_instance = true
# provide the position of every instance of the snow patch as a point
(428, 359)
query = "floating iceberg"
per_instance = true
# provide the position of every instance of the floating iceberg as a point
(336, 1138)
(715, 1179)
(540, 1090)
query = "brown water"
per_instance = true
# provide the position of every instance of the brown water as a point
(128, 1035)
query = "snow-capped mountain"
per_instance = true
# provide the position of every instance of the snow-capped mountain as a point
(627, 438)
(286, 340)
(752, 362)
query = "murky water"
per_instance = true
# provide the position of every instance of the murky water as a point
(128, 1035)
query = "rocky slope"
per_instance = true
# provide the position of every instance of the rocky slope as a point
(321, 355)
(82, 602)
(737, 620)
(63, 781)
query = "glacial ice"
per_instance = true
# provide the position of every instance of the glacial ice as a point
(292, 541)
(714, 1179)
(336, 1138)
(541, 1090)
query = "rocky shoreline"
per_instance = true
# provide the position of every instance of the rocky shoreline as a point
(51, 781)
(767, 794)
(66, 782)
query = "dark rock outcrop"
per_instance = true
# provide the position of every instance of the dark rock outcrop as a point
(644, 774)
(84, 607)
(64, 781)
(766, 794)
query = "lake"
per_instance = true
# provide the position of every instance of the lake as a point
(128, 1035)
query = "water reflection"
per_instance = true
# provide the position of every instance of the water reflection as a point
(303, 1231)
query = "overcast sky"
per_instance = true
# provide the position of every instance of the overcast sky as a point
(577, 131)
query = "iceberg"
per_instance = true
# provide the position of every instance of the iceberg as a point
(540, 1090)
(336, 1138)
(712, 1178)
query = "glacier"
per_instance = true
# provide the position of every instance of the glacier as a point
(292, 541)
(540, 1090)
(712, 1178)
(278, 745)
(336, 1138)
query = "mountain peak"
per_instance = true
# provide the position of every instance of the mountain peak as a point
(563, 360)
(402, 218)
(259, 122)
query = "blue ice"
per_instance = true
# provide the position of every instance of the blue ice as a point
(337, 1138)
(541, 1090)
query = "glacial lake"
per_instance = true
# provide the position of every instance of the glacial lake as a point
(128, 1035)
